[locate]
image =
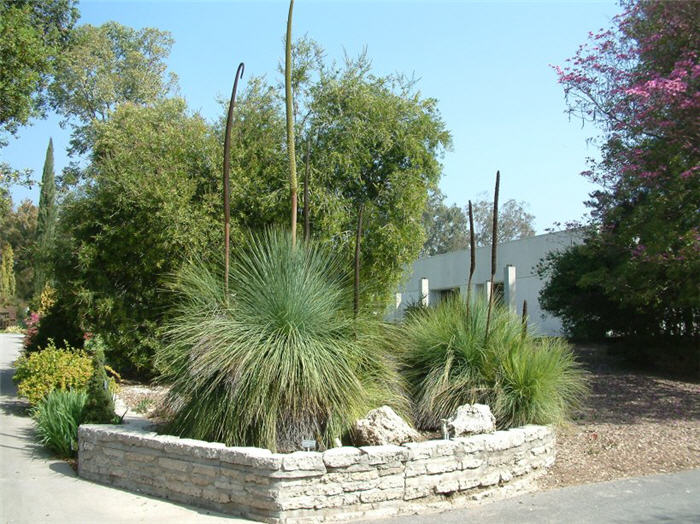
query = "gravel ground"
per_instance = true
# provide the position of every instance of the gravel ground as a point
(632, 424)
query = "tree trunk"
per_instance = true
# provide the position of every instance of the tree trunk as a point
(358, 237)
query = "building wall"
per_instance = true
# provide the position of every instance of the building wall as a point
(451, 271)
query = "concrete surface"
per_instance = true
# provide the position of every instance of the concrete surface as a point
(656, 498)
(35, 488)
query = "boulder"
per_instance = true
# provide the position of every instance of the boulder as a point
(471, 419)
(382, 426)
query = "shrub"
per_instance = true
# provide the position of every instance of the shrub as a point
(57, 418)
(15, 330)
(279, 359)
(37, 374)
(99, 407)
(449, 362)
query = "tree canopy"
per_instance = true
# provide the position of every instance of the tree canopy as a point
(638, 82)
(33, 33)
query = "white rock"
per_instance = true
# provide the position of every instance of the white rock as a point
(382, 426)
(471, 419)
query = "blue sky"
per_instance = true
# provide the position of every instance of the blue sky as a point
(487, 63)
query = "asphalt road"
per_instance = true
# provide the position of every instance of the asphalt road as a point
(34, 488)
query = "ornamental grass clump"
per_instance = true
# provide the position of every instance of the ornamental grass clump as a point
(280, 358)
(57, 417)
(449, 362)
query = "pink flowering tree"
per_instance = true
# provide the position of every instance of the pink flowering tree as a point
(638, 83)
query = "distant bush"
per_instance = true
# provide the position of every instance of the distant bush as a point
(449, 362)
(57, 323)
(15, 330)
(57, 418)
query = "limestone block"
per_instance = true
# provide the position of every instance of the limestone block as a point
(382, 426)
(472, 462)
(501, 440)
(303, 460)
(216, 495)
(380, 495)
(533, 432)
(490, 478)
(174, 465)
(418, 487)
(256, 457)
(432, 448)
(385, 454)
(471, 419)
(391, 482)
(341, 457)
(390, 468)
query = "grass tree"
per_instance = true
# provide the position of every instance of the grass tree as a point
(283, 360)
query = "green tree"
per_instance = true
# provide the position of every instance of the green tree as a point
(32, 35)
(638, 82)
(7, 274)
(153, 200)
(18, 229)
(446, 227)
(514, 221)
(104, 67)
(46, 222)
(378, 146)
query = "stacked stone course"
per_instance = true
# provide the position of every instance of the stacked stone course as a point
(339, 484)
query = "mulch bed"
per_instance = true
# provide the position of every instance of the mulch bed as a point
(632, 424)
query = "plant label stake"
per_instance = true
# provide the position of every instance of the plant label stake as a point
(308, 444)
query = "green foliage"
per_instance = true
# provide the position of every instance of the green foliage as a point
(278, 360)
(46, 222)
(99, 406)
(37, 374)
(106, 66)
(448, 362)
(58, 323)
(14, 330)
(154, 200)
(446, 227)
(514, 221)
(57, 417)
(17, 228)
(7, 274)
(32, 35)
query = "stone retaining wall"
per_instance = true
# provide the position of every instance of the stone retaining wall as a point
(339, 484)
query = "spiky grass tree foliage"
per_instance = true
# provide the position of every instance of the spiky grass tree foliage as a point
(448, 363)
(282, 359)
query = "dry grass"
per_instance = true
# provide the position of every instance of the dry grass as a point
(632, 424)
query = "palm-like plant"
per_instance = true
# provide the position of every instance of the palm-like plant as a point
(282, 359)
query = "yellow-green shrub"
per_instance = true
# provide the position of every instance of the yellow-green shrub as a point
(37, 374)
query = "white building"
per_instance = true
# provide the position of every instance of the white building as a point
(432, 278)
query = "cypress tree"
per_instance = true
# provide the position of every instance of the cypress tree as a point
(99, 406)
(46, 221)
(7, 273)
